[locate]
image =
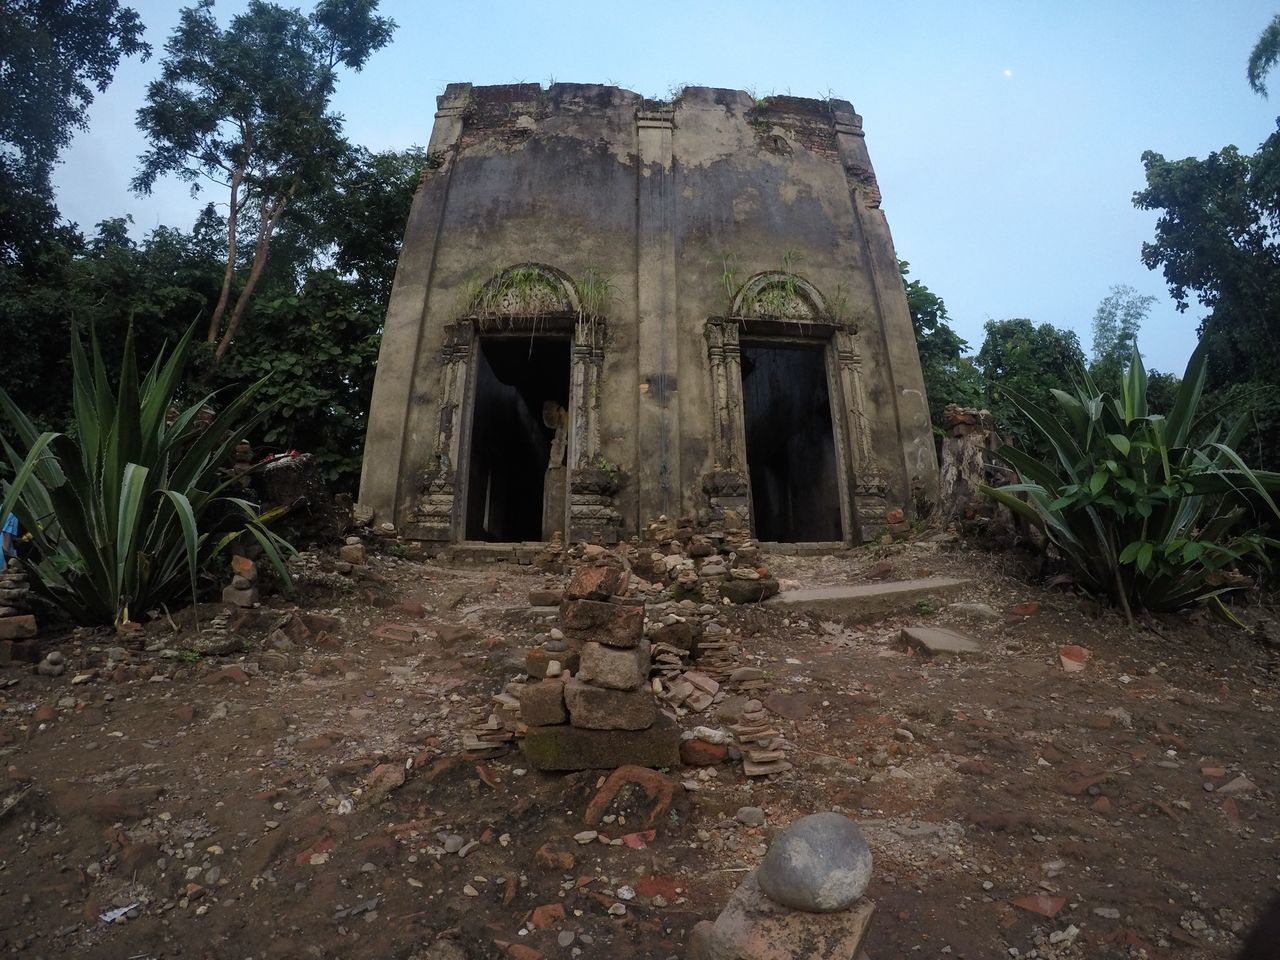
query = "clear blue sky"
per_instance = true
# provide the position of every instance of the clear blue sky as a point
(1006, 135)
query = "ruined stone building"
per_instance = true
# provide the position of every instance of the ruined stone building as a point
(609, 308)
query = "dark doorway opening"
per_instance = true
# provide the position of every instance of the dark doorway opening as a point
(519, 426)
(791, 450)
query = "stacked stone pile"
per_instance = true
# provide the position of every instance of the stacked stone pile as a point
(17, 623)
(761, 744)
(966, 461)
(590, 703)
(687, 657)
(242, 591)
(626, 637)
(805, 900)
(490, 731)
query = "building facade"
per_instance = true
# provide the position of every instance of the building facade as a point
(609, 308)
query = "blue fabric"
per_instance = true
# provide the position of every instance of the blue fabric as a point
(10, 527)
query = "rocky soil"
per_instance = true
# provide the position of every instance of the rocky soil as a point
(290, 785)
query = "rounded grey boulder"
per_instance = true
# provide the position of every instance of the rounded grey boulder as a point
(820, 864)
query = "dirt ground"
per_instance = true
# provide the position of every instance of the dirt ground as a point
(311, 803)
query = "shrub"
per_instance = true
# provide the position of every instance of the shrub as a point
(1151, 511)
(126, 509)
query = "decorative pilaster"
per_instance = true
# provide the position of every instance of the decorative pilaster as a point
(593, 483)
(869, 487)
(726, 485)
(584, 404)
(436, 510)
(658, 421)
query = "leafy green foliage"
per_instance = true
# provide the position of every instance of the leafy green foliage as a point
(315, 323)
(126, 511)
(949, 375)
(107, 283)
(1216, 242)
(1019, 358)
(55, 54)
(353, 225)
(1162, 393)
(247, 107)
(1147, 515)
(315, 350)
(1115, 333)
(1263, 56)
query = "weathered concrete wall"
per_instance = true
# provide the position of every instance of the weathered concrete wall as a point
(595, 181)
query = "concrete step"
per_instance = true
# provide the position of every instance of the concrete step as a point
(805, 549)
(869, 601)
(471, 551)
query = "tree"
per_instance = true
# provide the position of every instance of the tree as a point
(1216, 242)
(106, 282)
(317, 322)
(316, 349)
(356, 225)
(949, 376)
(1264, 55)
(1018, 357)
(55, 54)
(1115, 333)
(247, 108)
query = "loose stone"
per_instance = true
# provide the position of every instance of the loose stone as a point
(820, 864)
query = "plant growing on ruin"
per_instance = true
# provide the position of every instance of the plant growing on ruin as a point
(1151, 512)
(780, 296)
(522, 291)
(126, 508)
(838, 305)
(595, 293)
(729, 279)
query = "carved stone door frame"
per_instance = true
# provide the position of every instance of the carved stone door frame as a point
(590, 508)
(728, 486)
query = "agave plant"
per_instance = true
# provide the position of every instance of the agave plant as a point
(1152, 512)
(125, 511)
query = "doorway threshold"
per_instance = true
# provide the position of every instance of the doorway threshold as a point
(809, 549)
(478, 551)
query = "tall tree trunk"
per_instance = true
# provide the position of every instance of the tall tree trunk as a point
(267, 223)
(224, 295)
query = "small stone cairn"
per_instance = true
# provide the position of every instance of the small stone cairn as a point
(594, 706)
(804, 901)
(17, 623)
(243, 589)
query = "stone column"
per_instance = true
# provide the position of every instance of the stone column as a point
(658, 460)
(724, 354)
(381, 487)
(592, 484)
(869, 485)
(910, 412)
(584, 402)
(436, 514)
(726, 484)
